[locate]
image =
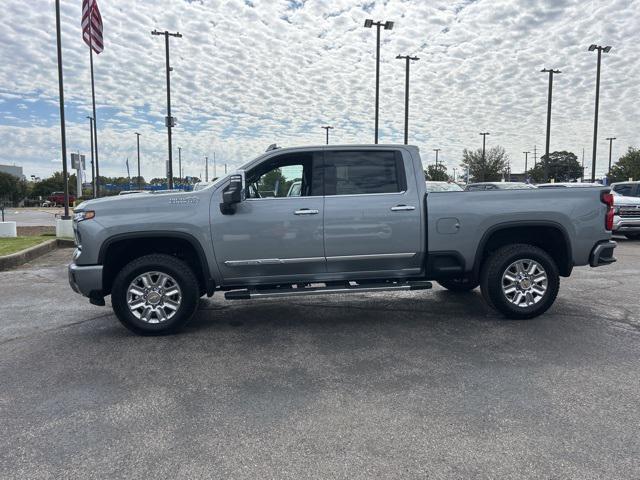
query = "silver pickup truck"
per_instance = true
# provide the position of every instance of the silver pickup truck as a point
(360, 221)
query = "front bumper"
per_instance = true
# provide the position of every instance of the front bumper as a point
(602, 254)
(86, 279)
(625, 224)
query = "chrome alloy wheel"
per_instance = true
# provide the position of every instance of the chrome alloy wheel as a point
(154, 297)
(524, 283)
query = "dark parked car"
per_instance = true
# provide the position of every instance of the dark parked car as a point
(474, 187)
(57, 198)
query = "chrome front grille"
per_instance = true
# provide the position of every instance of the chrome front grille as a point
(630, 212)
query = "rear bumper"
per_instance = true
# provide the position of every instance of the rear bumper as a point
(86, 279)
(602, 254)
(626, 224)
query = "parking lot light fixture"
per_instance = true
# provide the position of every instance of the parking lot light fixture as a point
(600, 49)
(369, 23)
(407, 59)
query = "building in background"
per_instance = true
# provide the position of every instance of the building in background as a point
(13, 170)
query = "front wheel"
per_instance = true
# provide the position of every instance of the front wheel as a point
(521, 281)
(155, 294)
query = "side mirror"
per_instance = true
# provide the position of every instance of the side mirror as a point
(233, 193)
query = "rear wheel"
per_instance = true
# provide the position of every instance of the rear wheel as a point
(459, 284)
(155, 294)
(632, 236)
(520, 281)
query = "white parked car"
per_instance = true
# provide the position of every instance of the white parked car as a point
(626, 220)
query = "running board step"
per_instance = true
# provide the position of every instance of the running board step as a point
(245, 294)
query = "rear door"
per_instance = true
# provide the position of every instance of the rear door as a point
(372, 213)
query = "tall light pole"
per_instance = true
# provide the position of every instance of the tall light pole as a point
(206, 169)
(600, 49)
(387, 26)
(179, 162)
(407, 59)
(169, 120)
(327, 128)
(549, 96)
(138, 146)
(63, 135)
(610, 140)
(436, 150)
(484, 138)
(526, 162)
(93, 172)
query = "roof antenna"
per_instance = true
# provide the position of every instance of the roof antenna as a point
(273, 146)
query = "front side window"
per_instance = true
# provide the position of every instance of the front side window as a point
(356, 172)
(287, 175)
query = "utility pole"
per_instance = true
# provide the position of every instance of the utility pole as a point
(600, 49)
(225, 168)
(169, 120)
(610, 140)
(179, 163)
(535, 156)
(206, 169)
(454, 174)
(93, 172)
(436, 150)
(546, 150)
(484, 138)
(327, 128)
(387, 26)
(526, 161)
(583, 164)
(138, 145)
(215, 173)
(407, 59)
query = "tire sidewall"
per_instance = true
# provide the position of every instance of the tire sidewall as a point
(157, 263)
(493, 282)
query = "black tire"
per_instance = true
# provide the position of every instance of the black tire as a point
(491, 280)
(178, 271)
(632, 236)
(459, 284)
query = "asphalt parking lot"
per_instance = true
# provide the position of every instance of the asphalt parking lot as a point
(423, 384)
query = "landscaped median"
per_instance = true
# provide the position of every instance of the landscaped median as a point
(18, 250)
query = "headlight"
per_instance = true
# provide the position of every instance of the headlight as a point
(83, 215)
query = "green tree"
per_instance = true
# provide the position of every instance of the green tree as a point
(489, 169)
(12, 188)
(627, 166)
(436, 174)
(560, 166)
(54, 183)
(273, 183)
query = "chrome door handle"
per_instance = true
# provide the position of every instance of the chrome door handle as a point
(305, 211)
(402, 208)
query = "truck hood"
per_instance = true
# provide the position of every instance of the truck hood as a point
(622, 200)
(141, 201)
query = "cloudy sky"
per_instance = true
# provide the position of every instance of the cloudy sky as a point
(248, 73)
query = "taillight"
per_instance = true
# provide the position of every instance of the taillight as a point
(607, 199)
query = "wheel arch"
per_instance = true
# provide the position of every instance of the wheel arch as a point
(548, 235)
(118, 250)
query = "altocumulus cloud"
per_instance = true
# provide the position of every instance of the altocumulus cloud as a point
(250, 73)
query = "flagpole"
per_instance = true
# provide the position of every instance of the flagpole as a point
(62, 122)
(93, 100)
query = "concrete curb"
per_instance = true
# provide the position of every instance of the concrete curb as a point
(24, 256)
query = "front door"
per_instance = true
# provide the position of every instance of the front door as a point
(276, 234)
(372, 213)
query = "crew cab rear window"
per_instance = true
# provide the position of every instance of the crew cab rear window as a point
(357, 172)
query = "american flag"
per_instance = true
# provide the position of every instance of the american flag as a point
(92, 25)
